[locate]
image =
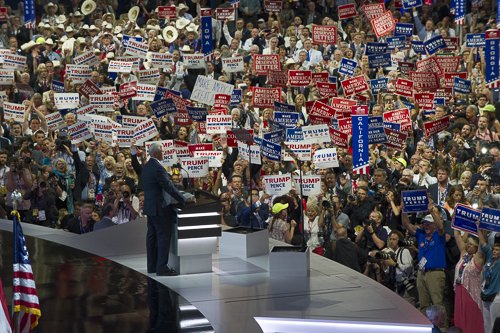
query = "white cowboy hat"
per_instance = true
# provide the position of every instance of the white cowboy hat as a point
(69, 45)
(192, 28)
(133, 13)
(181, 7)
(117, 29)
(60, 26)
(50, 4)
(186, 48)
(85, 27)
(88, 6)
(27, 46)
(181, 23)
(290, 62)
(69, 29)
(93, 27)
(49, 41)
(77, 14)
(170, 34)
(61, 19)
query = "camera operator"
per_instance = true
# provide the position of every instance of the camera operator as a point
(125, 206)
(358, 207)
(372, 236)
(43, 205)
(479, 196)
(19, 178)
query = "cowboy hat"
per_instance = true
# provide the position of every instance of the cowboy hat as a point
(50, 4)
(61, 19)
(186, 49)
(88, 6)
(28, 46)
(133, 13)
(181, 23)
(192, 28)
(93, 27)
(77, 14)
(117, 29)
(170, 34)
(60, 26)
(85, 27)
(104, 16)
(182, 7)
(49, 41)
(69, 45)
(69, 29)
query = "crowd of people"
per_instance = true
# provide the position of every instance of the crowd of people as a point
(357, 218)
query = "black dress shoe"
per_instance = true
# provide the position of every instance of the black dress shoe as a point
(168, 272)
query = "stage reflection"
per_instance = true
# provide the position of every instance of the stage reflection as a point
(81, 292)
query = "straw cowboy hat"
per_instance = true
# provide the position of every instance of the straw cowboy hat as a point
(182, 23)
(192, 28)
(50, 4)
(69, 45)
(182, 7)
(133, 13)
(88, 6)
(105, 16)
(27, 46)
(61, 19)
(170, 34)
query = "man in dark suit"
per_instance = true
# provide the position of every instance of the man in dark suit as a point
(160, 195)
(439, 191)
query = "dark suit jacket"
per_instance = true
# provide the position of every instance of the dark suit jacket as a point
(155, 183)
(82, 177)
(433, 191)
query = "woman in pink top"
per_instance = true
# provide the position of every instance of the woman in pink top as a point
(468, 312)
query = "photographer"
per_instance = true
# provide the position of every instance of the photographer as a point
(479, 196)
(43, 205)
(373, 235)
(359, 207)
(125, 206)
(18, 178)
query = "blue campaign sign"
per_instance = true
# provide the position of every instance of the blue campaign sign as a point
(257, 141)
(236, 97)
(409, 105)
(462, 86)
(375, 121)
(160, 93)
(294, 135)
(207, 44)
(271, 151)
(403, 29)
(490, 219)
(393, 126)
(397, 42)
(418, 46)
(360, 151)
(126, 38)
(197, 113)
(376, 135)
(378, 85)
(435, 44)
(375, 48)
(283, 107)
(408, 4)
(58, 86)
(274, 137)
(286, 119)
(465, 218)
(162, 107)
(379, 60)
(439, 101)
(347, 66)
(332, 79)
(415, 201)
(475, 40)
(491, 51)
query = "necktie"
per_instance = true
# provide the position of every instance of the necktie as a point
(308, 56)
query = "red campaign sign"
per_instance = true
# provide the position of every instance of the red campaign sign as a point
(324, 34)
(424, 81)
(232, 140)
(180, 103)
(383, 24)
(342, 106)
(322, 109)
(309, 104)
(218, 111)
(167, 12)
(395, 139)
(347, 11)
(3, 14)
(264, 63)
(89, 88)
(400, 116)
(451, 43)
(449, 78)
(201, 127)
(327, 89)
(179, 143)
(223, 14)
(128, 90)
(339, 139)
(298, 78)
(317, 120)
(424, 100)
(404, 88)
(182, 118)
(221, 100)
(445, 93)
(429, 64)
(273, 6)
(355, 85)
(374, 10)
(265, 97)
(204, 12)
(406, 67)
(345, 125)
(359, 110)
(448, 64)
(436, 126)
(200, 147)
(319, 77)
(277, 78)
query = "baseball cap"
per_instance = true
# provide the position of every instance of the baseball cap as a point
(489, 108)
(278, 207)
(428, 218)
(261, 20)
(401, 160)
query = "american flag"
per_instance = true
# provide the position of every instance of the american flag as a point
(5, 324)
(25, 298)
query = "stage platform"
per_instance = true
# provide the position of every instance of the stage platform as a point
(240, 295)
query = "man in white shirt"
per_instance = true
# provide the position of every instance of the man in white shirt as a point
(312, 56)
(423, 178)
(273, 46)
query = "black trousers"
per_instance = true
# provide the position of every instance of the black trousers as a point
(158, 238)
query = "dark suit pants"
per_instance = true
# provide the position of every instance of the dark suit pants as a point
(158, 238)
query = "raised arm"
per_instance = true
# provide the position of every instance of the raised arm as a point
(406, 223)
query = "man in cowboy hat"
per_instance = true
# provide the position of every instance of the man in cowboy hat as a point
(192, 37)
(182, 12)
(50, 13)
(77, 21)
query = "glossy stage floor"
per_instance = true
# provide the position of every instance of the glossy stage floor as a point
(97, 282)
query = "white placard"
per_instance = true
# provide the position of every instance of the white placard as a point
(232, 65)
(326, 158)
(79, 132)
(145, 92)
(214, 157)
(145, 131)
(149, 76)
(194, 61)
(116, 66)
(103, 103)
(14, 111)
(54, 121)
(311, 185)
(278, 184)
(87, 58)
(66, 100)
(124, 136)
(255, 153)
(195, 167)
(316, 133)
(205, 89)
(218, 124)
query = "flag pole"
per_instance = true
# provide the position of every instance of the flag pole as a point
(16, 196)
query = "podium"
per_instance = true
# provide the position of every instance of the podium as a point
(195, 235)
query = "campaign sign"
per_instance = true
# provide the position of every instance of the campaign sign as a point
(58, 86)
(199, 147)
(322, 110)
(379, 85)
(436, 126)
(274, 136)
(424, 81)
(418, 46)
(116, 66)
(406, 67)
(303, 151)
(124, 136)
(54, 121)
(271, 151)
(66, 100)
(491, 51)
(205, 89)
(160, 60)
(235, 97)
(226, 13)
(379, 60)
(127, 38)
(327, 89)
(403, 29)
(400, 116)
(383, 24)
(283, 107)
(355, 85)
(194, 61)
(264, 63)
(374, 10)
(218, 124)
(435, 44)
(298, 78)
(347, 66)
(424, 100)
(490, 219)
(138, 49)
(375, 48)
(324, 34)
(180, 103)
(286, 119)
(145, 131)
(232, 65)
(339, 139)
(465, 218)
(195, 167)
(311, 185)
(87, 58)
(214, 157)
(167, 12)
(326, 158)
(319, 77)
(475, 40)
(347, 11)
(254, 157)
(88, 88)
(163, 107)
(79, 132)
(393, 126)
(397, 42)
(278, 185)
(277, 78)
(404, 88)
(294, 135)
(14, 61)
(395, 139)
(462, 86)
(408, 4)
(376, 135)
(127, 90)
(270, 6)
(430, 65)
(415, 201)
(265, 97)
(316, 133)
(78, 73)
(103, 131)
(448, 64)
(149, 76)
(129, 121)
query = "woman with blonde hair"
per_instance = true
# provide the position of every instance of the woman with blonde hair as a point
(65, 182)
(130, 172)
